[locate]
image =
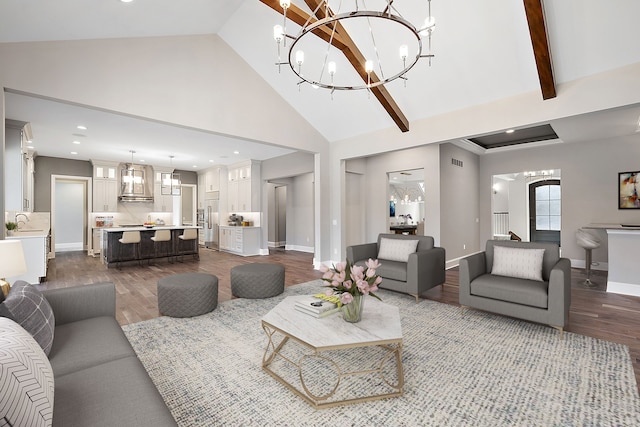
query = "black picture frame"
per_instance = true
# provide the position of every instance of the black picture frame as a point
(628, 190)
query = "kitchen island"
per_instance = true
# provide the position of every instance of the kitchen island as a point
(623, 243)
(113, 251)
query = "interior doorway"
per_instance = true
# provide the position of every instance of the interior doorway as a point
(517, 211)
(70, 201)
(544, 211)
(280, 216)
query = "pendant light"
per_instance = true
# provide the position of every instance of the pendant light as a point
(170, 182)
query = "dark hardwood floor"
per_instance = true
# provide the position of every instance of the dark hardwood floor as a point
(594, 312)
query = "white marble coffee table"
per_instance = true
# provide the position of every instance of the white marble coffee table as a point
(330, 362)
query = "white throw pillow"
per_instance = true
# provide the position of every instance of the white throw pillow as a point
(396, 249)
(26, 378)
(521, 263)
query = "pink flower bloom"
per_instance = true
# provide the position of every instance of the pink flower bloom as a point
(371, 272)
(323, 268)
(346, 298)
(327, 275)
(378, 280)
(328, 292)
(357, 273)
(373, 288)
(347, 284)
(341, 266)
(363, 286)
(372, 263)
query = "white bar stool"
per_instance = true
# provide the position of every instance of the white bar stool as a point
(189, 234)
(162, 237)
(130, 238)
(589, 242)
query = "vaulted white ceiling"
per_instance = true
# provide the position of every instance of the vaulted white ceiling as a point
(482, 49)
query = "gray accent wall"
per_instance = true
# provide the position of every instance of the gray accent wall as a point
(589, 184)
(47, 166)
(459, 201)
(188, 177)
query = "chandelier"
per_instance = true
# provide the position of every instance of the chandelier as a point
(357, 48)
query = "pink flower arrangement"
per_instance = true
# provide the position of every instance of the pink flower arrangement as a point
(347, 280)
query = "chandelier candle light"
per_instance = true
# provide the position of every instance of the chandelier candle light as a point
(370, 37)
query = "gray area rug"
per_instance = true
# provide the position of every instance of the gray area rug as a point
(475, 369)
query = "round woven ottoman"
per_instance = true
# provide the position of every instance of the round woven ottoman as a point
(257, 280)
(187, 294)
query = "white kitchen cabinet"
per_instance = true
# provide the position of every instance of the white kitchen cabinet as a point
(244, 187)
(96, 241)
(105, 195)
(212, 180)
(243, 241)
(105, 186)
(18, 168)
(35, 248)
(161, 202)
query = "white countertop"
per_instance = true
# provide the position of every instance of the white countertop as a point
(602, 226)
(29, 234)
(238, 226)
(157, 227)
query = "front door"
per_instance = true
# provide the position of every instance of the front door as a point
(544, 211)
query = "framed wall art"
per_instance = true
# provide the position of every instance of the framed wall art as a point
(628, 190)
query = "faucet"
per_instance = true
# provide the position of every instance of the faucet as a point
(23, 222)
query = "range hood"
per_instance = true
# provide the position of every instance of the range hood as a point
(136, 183)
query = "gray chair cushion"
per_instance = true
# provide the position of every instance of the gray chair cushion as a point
(520, 291)
(258, 280)
(117, 393)
(30, 309)
(187, 294)
(90, 342)
(393, 270)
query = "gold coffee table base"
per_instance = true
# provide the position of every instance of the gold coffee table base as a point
(392, 349)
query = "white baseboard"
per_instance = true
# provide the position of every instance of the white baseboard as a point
(271, 244)
(308, 249)
(623, 288)
(580, 263)
(454, 262)
(68, 247)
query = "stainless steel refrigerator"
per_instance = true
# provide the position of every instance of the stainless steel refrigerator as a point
(211, 223)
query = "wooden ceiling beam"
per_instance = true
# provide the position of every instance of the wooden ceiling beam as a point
(343, 42)
(538, 33)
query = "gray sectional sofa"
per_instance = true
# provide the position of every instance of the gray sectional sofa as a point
(98, 379)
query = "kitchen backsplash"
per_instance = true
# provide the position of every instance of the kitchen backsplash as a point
(29, 220)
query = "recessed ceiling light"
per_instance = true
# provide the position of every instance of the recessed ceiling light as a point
(141, 160)
(126, 1)
(236, 152)
(74, 153)
(510, 131)
(195, 166)
(210, 161)
(76, 142)
(81, 127)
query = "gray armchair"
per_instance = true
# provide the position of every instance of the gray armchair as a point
(545, 301)
(423, 270)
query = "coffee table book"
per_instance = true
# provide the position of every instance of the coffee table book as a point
(315, 306)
